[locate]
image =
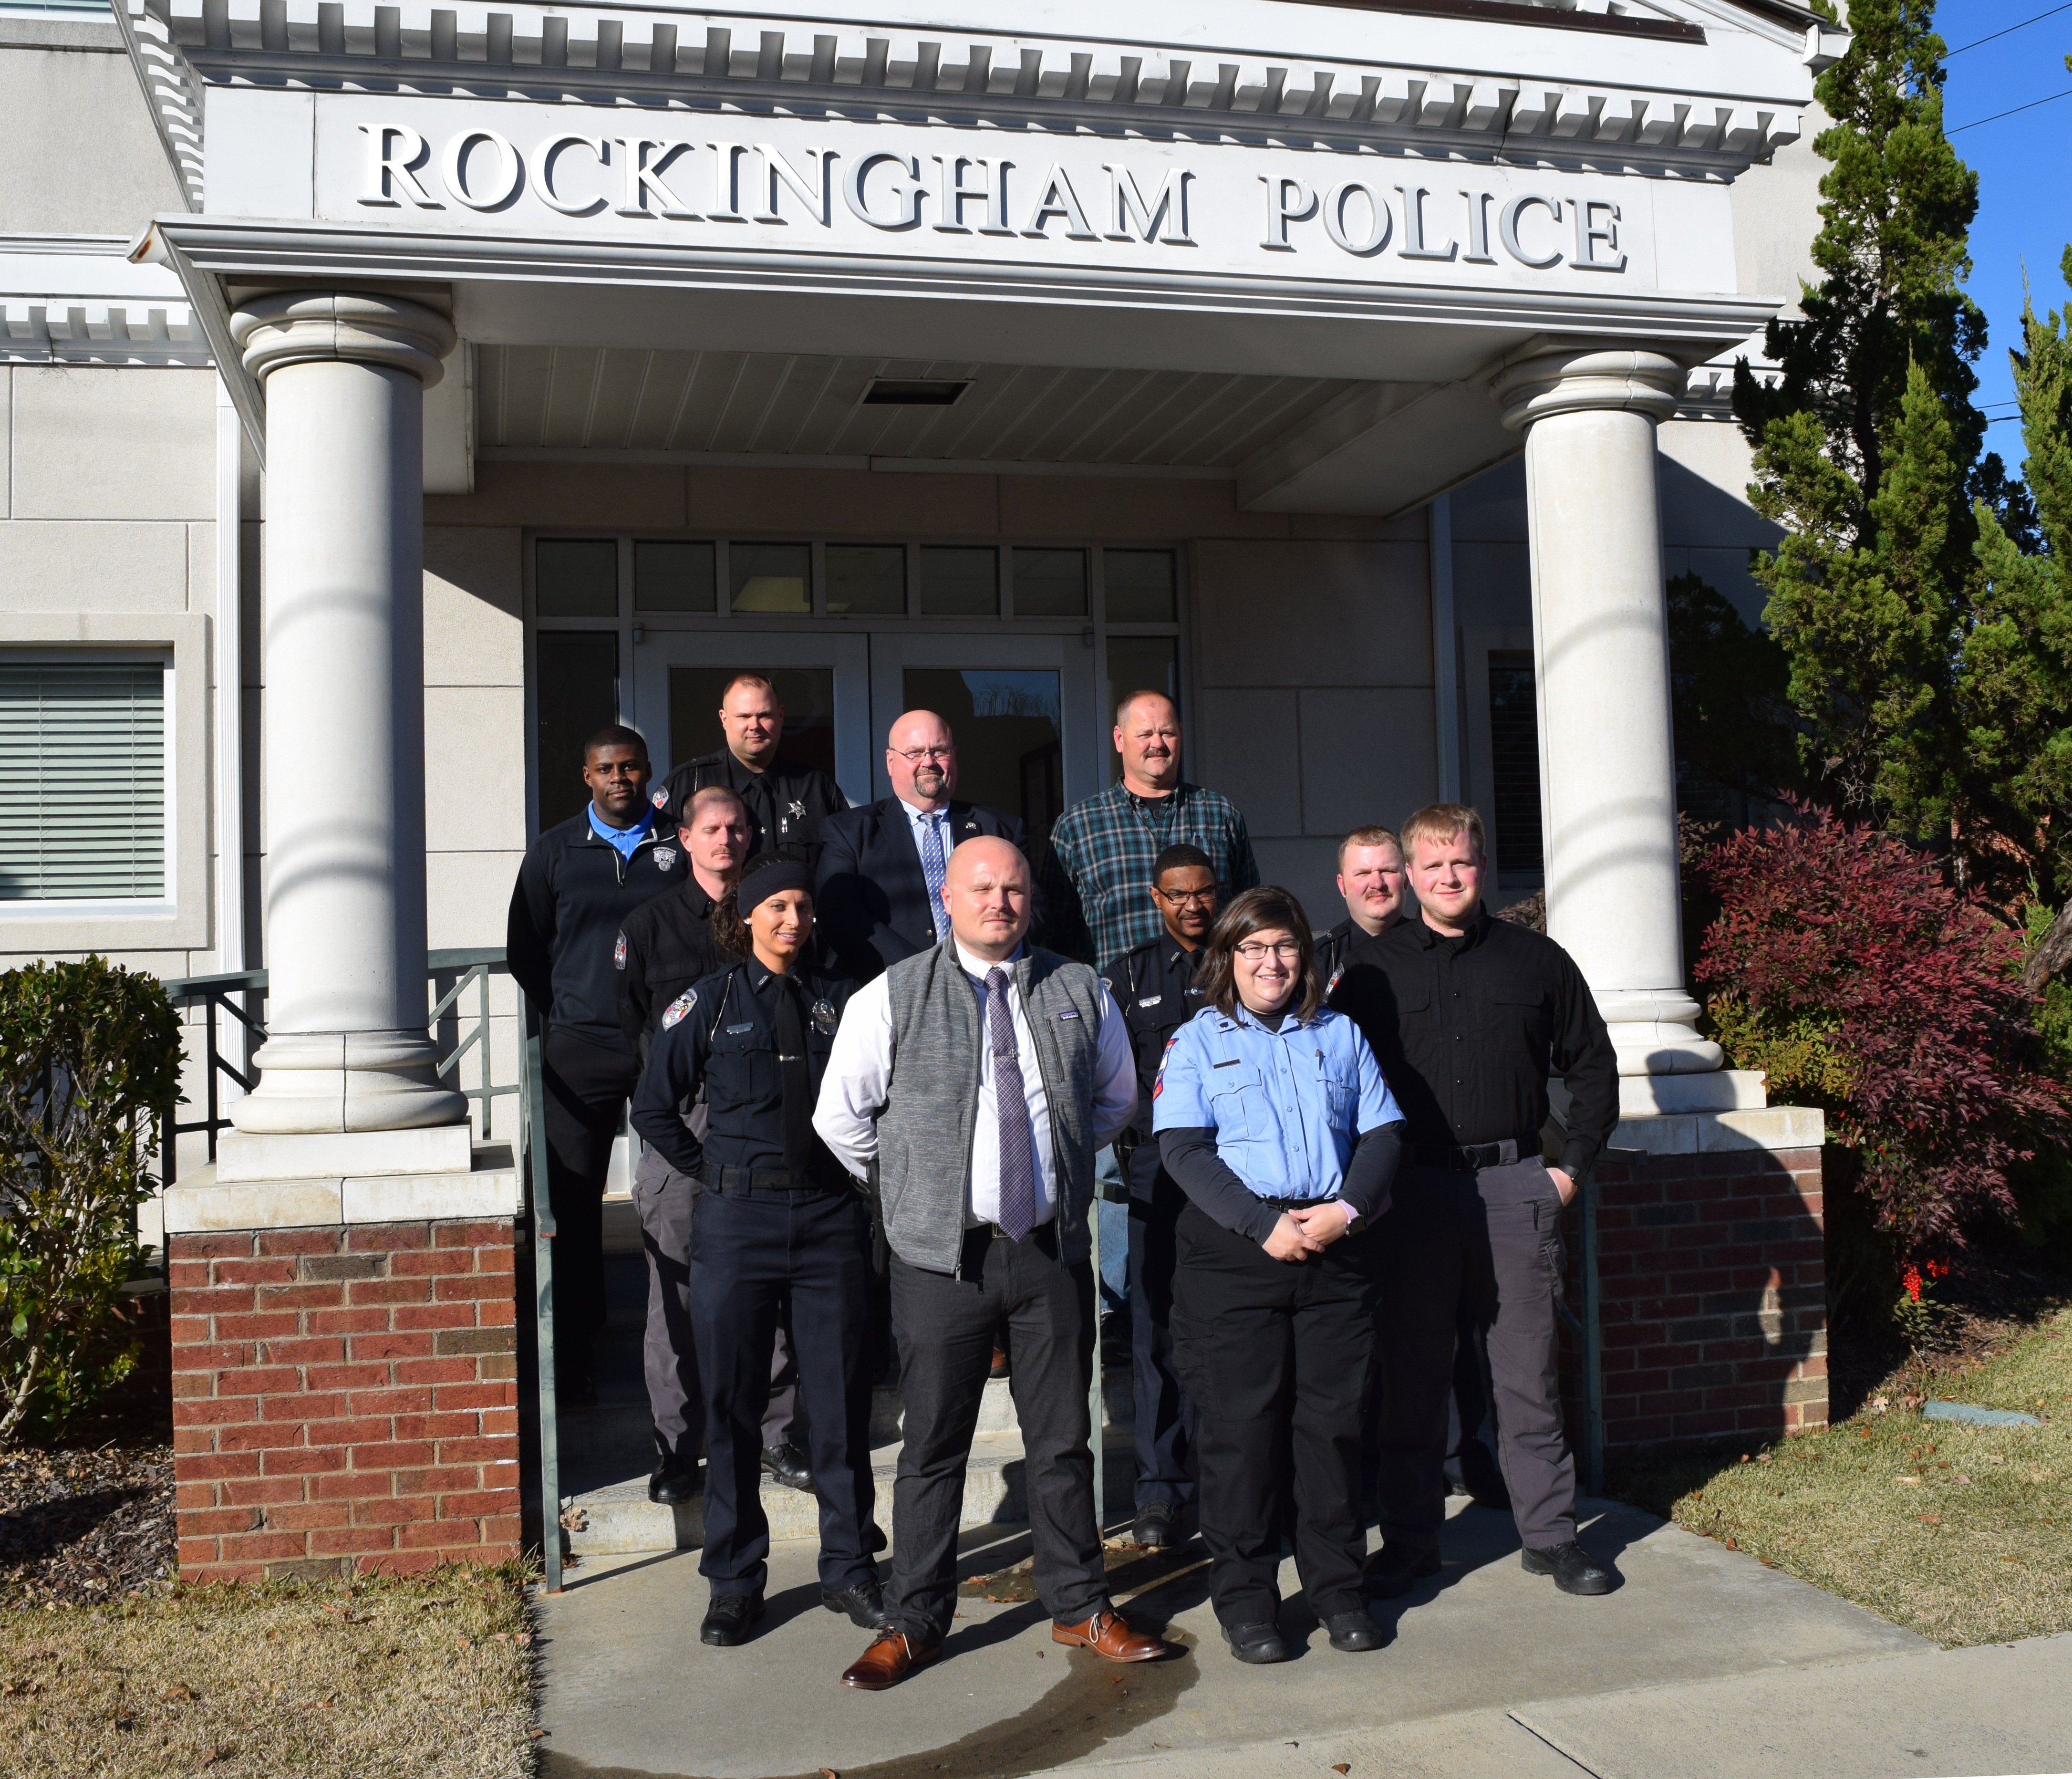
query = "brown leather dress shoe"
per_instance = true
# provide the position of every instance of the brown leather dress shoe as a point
(1111, 1637)
(892, 1655)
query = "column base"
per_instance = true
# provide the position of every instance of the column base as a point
(314, 1082)
(1653, 1031)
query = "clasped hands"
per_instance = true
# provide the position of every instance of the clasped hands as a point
(1314, 1228)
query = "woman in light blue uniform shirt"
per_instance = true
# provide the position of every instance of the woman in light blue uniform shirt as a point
(1271, 1112)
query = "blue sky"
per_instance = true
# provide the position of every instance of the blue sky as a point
(2024, 182)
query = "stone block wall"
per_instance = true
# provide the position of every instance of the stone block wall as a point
(1713, 1318)
(344, 1398)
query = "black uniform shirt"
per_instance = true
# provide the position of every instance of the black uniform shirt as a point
(1468, 1030)
(785, 801)
(1331, 950)
(573, 895)
(665, 947)
(722, 1035)
(1153, 985)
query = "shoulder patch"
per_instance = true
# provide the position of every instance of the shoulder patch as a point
(683, 1003)
(660, 799)
(618, 954)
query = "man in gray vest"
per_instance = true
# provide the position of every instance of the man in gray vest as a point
(974, 1081)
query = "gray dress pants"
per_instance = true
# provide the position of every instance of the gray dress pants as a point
(665, 1200)
(1489, 1242)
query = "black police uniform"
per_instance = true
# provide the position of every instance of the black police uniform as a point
(666, 946)
(1153, 985)
(1467, 1031)
(1330, 950)
(778, 1220)
(574, 894)
(785, 801)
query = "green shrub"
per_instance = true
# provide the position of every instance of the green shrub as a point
(89, 1064)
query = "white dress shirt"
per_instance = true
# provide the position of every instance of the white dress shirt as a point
(858, 1081)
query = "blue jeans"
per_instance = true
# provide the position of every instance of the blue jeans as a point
(1114, 1238)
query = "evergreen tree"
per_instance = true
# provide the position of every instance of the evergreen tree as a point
(1867, 452)
(2015, 677)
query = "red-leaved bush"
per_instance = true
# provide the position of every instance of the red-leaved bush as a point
(1844, 966)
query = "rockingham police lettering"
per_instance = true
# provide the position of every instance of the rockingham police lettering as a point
(848, 186)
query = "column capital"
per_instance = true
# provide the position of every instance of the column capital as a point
(1581, 378)
(360, 327)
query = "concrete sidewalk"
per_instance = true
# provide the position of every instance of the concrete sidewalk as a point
(1705, 1662)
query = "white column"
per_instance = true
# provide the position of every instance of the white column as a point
(347, 1046)
(1607, 770)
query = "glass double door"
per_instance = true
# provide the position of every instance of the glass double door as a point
(1029, 738)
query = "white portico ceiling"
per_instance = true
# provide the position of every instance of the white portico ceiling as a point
(566, 398)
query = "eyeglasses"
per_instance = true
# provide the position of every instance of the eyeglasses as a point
(915, 754)
(1202, 898)
(1256, 951)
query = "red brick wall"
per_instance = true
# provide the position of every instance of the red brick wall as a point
(1713, 1315)
(344, 1398)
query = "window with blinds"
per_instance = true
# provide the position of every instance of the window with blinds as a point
(82, 781)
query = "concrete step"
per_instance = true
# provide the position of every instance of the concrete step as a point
(619, 1519)
(604, 1518)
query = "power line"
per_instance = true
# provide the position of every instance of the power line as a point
(1996, 116)
(2009, 31)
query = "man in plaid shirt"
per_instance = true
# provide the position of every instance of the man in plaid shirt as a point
(1096, 878)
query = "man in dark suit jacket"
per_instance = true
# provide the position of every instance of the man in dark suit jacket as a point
(874, 897)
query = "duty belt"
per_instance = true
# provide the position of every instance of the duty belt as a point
(1474, 1155)
(723, 1181)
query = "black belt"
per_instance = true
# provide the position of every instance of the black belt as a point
(1474, 1155)
(1295, 1204)
(723, 1181)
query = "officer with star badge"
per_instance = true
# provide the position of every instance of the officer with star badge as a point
(786, 800)
(779, 1224)
(1154, 986)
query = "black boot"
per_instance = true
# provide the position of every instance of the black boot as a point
(1574, 1570)
(674, 1483)
(863, 1600)
(786, 1463)
(730, 1619)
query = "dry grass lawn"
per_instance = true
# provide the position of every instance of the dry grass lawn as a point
(1962, 1533)
(373, 1679)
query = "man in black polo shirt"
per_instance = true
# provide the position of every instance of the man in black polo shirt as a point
(1153, 985)
(785, 801)
(1468, 1016)
(578, 884)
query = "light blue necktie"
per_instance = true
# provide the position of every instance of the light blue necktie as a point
(933, 867)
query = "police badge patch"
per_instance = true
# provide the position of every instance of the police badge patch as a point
(823, 1017)
(683, 1003)
(664, 858)
(618, 954)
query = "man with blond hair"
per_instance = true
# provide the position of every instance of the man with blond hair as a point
(1469, 1016)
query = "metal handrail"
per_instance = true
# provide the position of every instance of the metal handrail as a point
(221, 994)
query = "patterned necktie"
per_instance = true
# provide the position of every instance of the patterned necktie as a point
(1018, 1158)
(933, 867)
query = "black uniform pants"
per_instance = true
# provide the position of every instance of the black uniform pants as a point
(666, 1200)
(750, 1250)
(945, 1328)
(587, 1086)
(1165, 1415)
(1491, 1240)
(1278, 1358)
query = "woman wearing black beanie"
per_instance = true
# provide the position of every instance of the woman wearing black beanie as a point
(778, 1217)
